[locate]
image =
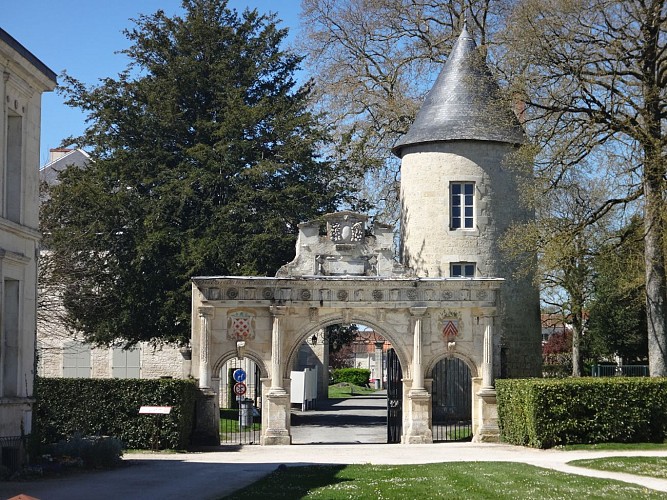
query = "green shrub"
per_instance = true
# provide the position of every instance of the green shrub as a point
(93, 452)
(110, 407)
(356, 376)
(548, 412)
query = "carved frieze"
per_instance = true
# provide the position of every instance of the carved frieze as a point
(358, 293)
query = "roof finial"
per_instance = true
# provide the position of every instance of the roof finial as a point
(464, 29)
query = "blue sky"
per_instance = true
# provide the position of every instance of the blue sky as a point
(82, 36)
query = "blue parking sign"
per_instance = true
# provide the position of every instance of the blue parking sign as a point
(239, 375)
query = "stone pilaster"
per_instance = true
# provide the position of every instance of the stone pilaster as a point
(276, 401)
(417, 429)
(277, 314)
(205, 317)
(488, 431)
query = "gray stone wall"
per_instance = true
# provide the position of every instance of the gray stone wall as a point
(164, 361)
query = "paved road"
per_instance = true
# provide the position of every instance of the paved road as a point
(359, 420)
(217, 472)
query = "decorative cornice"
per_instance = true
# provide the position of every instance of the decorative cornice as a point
(362, 292)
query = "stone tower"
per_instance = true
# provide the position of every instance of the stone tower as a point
(458, 196)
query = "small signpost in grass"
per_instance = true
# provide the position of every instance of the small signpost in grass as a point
(158, 411)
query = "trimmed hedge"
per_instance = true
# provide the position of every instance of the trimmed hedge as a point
(542, 413)
(356, 376)
(110, 407)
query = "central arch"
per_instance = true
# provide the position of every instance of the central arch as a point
(336, 319)
(361, 418)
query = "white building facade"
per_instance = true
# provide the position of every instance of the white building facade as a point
(24, 79)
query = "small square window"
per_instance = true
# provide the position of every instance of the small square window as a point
(462, 270)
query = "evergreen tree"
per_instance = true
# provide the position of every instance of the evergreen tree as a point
(204, 163)
(617, 324)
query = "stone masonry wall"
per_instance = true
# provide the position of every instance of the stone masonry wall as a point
(428, 245)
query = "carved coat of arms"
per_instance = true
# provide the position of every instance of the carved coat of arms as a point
(449, 322)
(240, 326)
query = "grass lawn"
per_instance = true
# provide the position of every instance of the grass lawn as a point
(460, 480)
(345, 390)
(643, 466)
(229, 422)
(616, 446)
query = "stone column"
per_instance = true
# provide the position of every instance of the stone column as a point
(487, 362)
(207, 424)
(277, 408)
(205, 317)
(417, 373)
(488, 410)
(416, 427)
(276, 350)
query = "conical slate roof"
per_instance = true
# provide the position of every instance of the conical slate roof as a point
(464, 103)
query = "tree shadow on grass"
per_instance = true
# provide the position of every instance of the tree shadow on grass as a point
(291, 482)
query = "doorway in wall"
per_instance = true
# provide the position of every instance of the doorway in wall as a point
(240, 400)
(452, 401)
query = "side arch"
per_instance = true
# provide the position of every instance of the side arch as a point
(444, 354)
(231, 354)
(451, 388)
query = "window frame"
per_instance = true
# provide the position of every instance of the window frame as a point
(462, 209)
(464, 267)
(77, 359)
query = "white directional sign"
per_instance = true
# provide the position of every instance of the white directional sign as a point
(155, 410)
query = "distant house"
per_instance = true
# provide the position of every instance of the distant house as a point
(59, 160)
(553, 324)
(62, 353)
(24, 79)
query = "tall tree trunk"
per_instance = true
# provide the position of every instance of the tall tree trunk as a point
(577, 326)
(654, 257)
(654, 192)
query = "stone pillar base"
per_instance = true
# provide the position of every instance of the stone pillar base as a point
(276, 418)
(207, 424)
(418, 430)
(488, 431)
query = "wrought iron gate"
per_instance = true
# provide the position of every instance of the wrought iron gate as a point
(452, 401)
(394, 398)
(240, 416)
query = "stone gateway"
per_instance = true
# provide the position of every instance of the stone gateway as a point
(452, 300)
